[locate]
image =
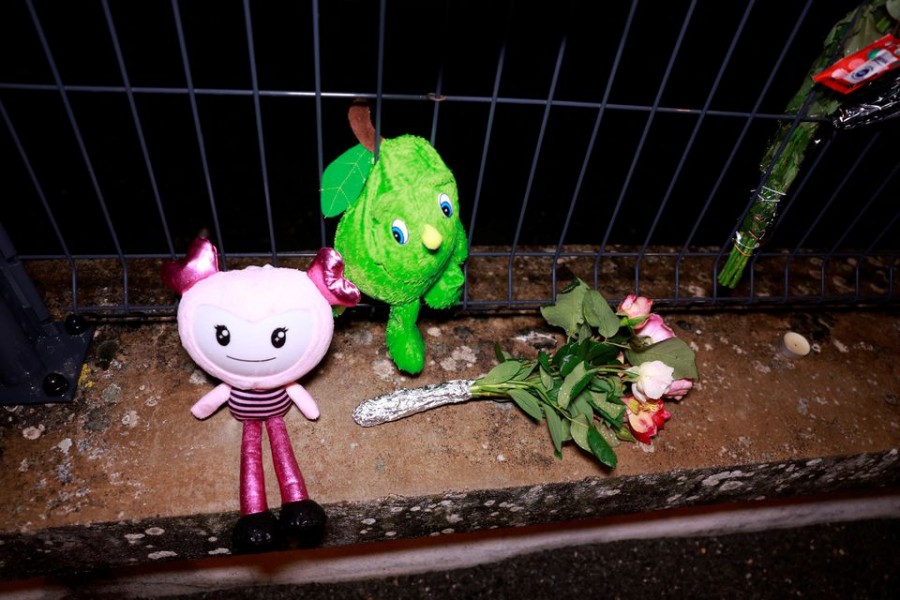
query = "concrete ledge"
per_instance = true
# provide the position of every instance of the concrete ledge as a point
(71, 550)
(124, 475)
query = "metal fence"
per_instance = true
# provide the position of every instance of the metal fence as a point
(623, 148)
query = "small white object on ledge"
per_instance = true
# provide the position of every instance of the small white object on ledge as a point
(794, 345)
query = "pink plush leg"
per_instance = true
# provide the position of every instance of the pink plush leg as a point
(290, 480)
(253, 487)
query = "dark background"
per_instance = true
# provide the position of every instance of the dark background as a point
(452, 48)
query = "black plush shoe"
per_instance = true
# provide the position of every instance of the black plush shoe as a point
(303, 522)
(256, 532)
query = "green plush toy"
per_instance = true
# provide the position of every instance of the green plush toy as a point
(400, 233)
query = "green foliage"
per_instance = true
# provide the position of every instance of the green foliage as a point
(674, 352)
(344, 178)
(577, 390)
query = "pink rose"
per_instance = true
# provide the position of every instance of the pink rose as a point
(679, 388)
(655, 329)
(634, 306)
(645, 419)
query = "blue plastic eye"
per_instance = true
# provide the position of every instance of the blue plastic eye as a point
(444, 203)
(399, 231)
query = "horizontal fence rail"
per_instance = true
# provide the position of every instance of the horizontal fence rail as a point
(624, 150)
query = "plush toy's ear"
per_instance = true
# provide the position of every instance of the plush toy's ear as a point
(327, 273)
(201, 262)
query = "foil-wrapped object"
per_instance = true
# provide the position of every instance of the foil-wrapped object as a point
(405, 402)
(880, 105)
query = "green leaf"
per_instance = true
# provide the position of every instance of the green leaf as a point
(344, 178)
(526, 370)
(569, 362)
(624, 434)
(579, 428)
(633, 321)
(581, 405)
(544, 360)
(893, 8)
(601, 449)
(572, 385)
(585, 332)
(611, 411)
(546, 379)
(673, 351)
(502, 373)
(603, 383)
(567, 312)
(559, 431)
(599, 314)
(528, 403)
(501, 355)
(601, 353)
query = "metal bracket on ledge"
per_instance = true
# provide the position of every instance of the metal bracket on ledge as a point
(40, 359)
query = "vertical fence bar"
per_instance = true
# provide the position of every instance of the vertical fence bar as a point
(89, 166)
(198, 130)
(637, 154)
(39, 190)
(853, 223)
(747, 122)
(260, 138)
(534, 162)
(824, 209)
(320, 128)
(662, 87)
(723, 67)
(881, 235)
(139, 129)
(437, 97)
(798, 189)
(485, 147)
(601, 111)
(379, 82)
(706, 205)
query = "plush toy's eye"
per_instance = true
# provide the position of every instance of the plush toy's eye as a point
(444, 202)
(399, 231)
(279, 337)
(223, 336)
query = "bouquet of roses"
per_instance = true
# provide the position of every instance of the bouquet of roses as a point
(609, 382)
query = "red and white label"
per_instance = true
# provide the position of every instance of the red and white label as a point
(870, 63)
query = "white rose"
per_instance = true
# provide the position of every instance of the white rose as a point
(653, 380)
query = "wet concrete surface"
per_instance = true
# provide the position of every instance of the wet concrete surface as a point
(845, 560)
(123, 475)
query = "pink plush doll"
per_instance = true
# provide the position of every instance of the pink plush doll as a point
(258, 330)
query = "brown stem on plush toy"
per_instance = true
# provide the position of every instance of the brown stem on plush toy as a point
(361, 123)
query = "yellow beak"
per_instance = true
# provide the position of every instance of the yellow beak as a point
(431, 238)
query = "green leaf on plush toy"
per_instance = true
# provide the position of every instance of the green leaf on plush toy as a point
(344, 178)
